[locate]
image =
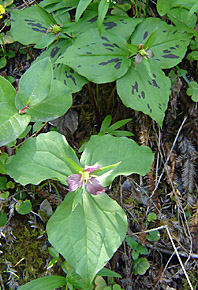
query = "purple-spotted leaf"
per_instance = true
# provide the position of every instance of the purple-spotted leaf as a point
(100, 59)
(114, 25)
(170, 44)
(32, 25)
(79, 234)
(146, 91)
(62, 72)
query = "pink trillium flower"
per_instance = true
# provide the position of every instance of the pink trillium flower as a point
(86, 178)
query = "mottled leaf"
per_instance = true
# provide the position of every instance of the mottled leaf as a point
(80, 236)
(144, 92)
(62, 72)
(170, 43)
(31, 25)
(100, 59)
(41, 158)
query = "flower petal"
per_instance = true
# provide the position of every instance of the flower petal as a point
(94, 187)
(74, 181)
(91, 168)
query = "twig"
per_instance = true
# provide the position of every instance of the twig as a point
(169, 155)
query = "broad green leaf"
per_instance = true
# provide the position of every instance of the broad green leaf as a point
(47, 99)
(170, 43)
(41, 158)
(180, 18)
(31, 25)
(24, 207)
(193, 91)
(106, 150)
(100, 59)
(3, 182)
(82, 5)
(62, 72)
(35, 84)
(102, 11)
(163, 6)
(141, 92)
(140, 266)
(45, 283)
(80, 236)
(12, 124)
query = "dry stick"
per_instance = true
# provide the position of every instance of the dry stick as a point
(174, 247)
(169, 155)
(180, 261)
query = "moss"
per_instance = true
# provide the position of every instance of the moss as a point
(26, 253)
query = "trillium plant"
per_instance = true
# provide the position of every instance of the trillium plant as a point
(88, 226)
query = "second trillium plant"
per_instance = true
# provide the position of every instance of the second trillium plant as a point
(88, 227)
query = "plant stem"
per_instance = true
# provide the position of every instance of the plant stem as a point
(93, 101)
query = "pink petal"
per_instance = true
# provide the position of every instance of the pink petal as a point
(74, 181)
(91, 168)
(94, 187)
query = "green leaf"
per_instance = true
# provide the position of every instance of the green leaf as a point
(3, 157)
(3, 219)
(106, 150)
(3, 182)
(100, 59)
(44, 95)
(193, 9)
(108, 273)
(31, 25)
(140, 266)
(35, 84)
(41, 158)
(132, 243)
(53, 252)
(80, 236)
(163, 6)
(170, 42)
(82, 5)
(142, 250)
(45, 283)
(151, 217)
(193, 91)
(105, 124)
(180, 18)
(24, 207)
(102, 11)
(153, 236)
(12, 124)
(141, 92)
(135, 255)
